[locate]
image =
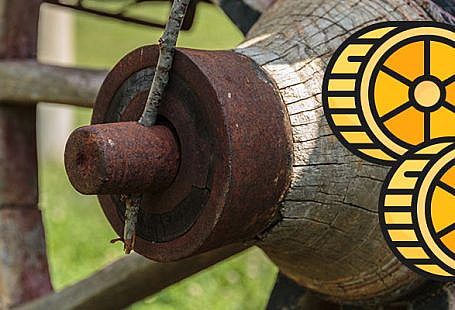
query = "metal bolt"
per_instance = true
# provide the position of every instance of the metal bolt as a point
(124, 157)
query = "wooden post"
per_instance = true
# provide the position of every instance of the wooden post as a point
(26, 82)
(23, 265)
(328, 238)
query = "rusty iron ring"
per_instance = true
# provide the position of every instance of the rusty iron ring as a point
(235, 144)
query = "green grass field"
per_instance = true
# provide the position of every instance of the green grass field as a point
(78, 234)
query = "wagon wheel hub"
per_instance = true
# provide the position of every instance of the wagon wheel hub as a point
(211, 173)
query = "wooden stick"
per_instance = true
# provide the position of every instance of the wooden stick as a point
(128, 280)
(27, 81)
(167, 45)
(129, 233)
(160, 79)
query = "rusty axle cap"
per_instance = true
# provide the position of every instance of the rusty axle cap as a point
(235, 151)
(123, 157)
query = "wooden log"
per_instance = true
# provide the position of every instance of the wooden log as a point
(128, 280)
(23, 266)
(328, 238)
(27, 81)
(442, 11)
(24, 271)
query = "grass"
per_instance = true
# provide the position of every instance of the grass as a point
(77, 232)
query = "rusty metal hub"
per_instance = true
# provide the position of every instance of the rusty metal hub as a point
(234, 151)
(123, 157)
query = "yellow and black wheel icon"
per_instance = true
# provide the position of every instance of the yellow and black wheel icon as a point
(390, 87)
(417, 209)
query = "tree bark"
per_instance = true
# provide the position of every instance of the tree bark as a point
(328, 238)
(24, 271)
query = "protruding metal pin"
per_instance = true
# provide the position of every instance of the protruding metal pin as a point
(121, 158)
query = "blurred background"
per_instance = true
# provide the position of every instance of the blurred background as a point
(76, 230)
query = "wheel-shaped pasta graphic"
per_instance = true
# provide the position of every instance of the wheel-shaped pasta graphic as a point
(417, 209)
(390, 87)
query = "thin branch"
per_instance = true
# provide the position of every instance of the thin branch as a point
(167, 45)
(129, 233)
(160, 79)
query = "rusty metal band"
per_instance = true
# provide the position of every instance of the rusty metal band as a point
(235, 143)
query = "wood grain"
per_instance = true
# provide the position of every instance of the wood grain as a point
(328, 238)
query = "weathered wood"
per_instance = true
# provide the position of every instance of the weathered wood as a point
(440, 10)
(24, 271)
(27, 81)
(23, 264)
(328, 238)
(127, 280)
(18, 28)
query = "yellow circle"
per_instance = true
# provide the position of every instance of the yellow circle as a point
(404, 126)
(442, 198)
(416, 211)
(422, 219)
(427, 94)
(383, 96)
